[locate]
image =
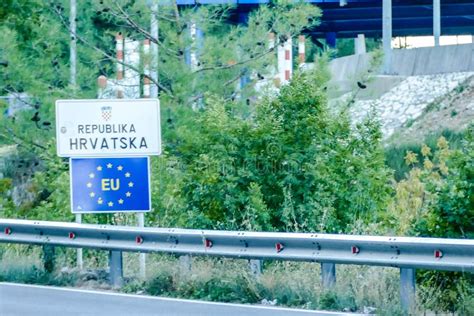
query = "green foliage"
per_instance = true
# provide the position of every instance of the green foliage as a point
(329, 300)
(283, 163)
(226, 53)
(395, 154)
(34, 54)
(31, 274)
(160, 285)
(5, 185)
(35, 60)
(346, 46)
(287, 284)
(438, 201)
(282, 283)
(447, 291)
(453, 215)
(290, 166)
(217, 289)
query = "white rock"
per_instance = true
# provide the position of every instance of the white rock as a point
(408, 99)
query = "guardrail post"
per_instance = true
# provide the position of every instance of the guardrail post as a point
(79, 261)
(115, 268)
(48, 258)
(142, 256)
(185, 263)
(256, 267)
(328, 275)
(407, 289)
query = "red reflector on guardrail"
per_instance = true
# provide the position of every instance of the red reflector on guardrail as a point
(207, 243)
(279, 247)
(139, 240)
(72, 235)
(8, 230)
(355, 250)
(438, 254)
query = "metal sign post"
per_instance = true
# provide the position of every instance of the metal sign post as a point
(79, 258)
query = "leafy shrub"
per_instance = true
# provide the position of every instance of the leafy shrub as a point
(395, 154)
(330, 300)
(437, 200)
(160, 284)
(292, 166)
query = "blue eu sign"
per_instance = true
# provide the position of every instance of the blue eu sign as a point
(102, 185)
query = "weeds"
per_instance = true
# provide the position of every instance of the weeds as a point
(22, 271)
(395, 155)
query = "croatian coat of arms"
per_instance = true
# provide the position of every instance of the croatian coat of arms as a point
(106, 112)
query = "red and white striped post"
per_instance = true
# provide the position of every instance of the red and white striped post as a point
(271, 45)
(280, 65)
(301, 50)
(288, 65)
(285, 61)
(102, 84)
(271, 40)
(146, 68)
(120, 67)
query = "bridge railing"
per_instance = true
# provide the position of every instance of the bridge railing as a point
(406, 253)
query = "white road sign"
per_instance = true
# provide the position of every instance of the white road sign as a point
(107, 128)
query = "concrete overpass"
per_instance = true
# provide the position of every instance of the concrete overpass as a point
(345, 71)
(348, 18)
(373, 18)
(410, 62)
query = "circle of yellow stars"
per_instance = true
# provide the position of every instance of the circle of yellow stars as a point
(100, 200)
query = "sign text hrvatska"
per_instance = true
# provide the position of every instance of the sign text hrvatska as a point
(101, 128)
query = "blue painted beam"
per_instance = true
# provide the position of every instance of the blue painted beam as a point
(400, 23)
(365, 16)
(331, 38)
(398, 12)
(197, 2)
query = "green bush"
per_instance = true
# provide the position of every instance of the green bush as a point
(160, 284)
(437, 200)
(395, 154)
(292, 166)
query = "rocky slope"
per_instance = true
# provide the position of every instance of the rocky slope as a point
(420, 105)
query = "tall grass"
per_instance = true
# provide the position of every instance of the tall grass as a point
(294, 284)
(18, 268)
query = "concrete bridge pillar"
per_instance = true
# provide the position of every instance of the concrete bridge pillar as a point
(436, 21)
(387, 36)
(359, 43)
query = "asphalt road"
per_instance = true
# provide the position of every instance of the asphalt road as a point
(24, 300)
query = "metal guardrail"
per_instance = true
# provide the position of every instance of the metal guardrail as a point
(406, 253)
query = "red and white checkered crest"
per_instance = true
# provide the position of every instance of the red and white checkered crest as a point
(106, 112)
